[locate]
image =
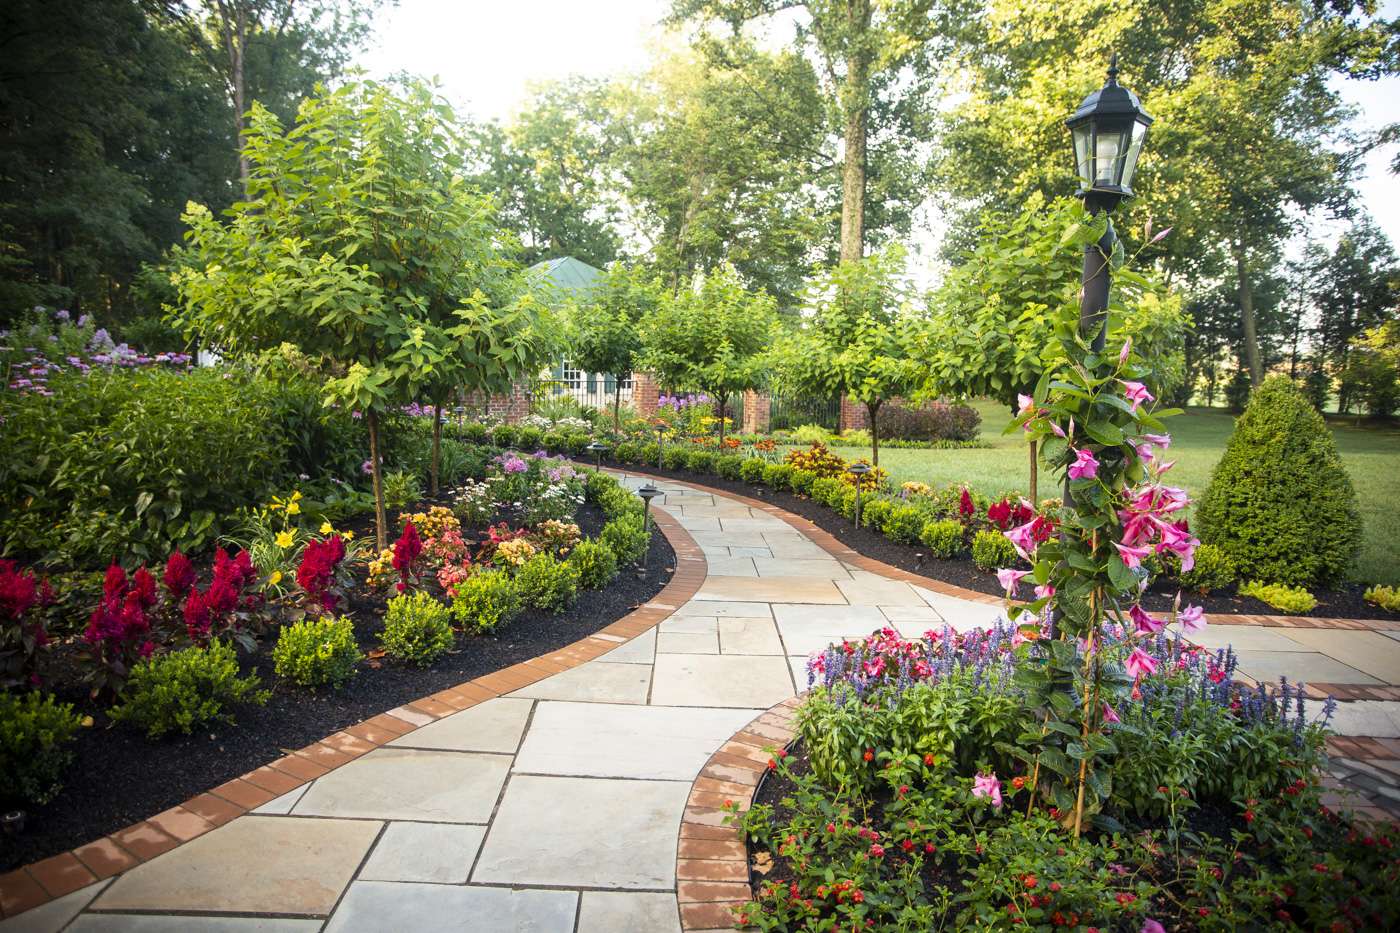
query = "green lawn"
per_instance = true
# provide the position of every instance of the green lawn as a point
(1372, 457)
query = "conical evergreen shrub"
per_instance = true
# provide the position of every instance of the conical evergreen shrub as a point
(1280, 503)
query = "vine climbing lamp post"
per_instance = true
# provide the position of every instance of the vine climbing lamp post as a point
(1108, 131)
(858, 470)
(647, 492)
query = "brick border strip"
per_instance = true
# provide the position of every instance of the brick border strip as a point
(712, 859)
(833, 546)
(40, 882)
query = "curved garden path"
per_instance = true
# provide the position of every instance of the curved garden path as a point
(564, 794)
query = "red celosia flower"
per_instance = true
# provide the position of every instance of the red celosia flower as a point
(144, 586)
(197, 619)
(407, 549)
(965, 507)
(179, 574)
(999, 514)
(317, 571)
(17, 590)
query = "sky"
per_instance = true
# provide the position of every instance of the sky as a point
(488, 53)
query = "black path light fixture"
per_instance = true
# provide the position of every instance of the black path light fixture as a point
(1108, 131)
(647, 492)
(858, 470)
(597, 449)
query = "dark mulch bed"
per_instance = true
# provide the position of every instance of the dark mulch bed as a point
(1345, 602)
(119, 777)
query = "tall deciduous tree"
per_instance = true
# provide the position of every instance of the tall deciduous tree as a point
(878, 62)
(270, 51)
(711, 336)
(355, 244)
(1249, 131)
(605, 332)
(857, 339)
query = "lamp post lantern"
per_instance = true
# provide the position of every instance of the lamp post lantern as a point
(1108, 131)
(858, 470)
(647, 492)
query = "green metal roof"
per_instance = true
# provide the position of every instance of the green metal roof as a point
(566, 272)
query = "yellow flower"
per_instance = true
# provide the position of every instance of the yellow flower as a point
(348, 535)
(285, 539)
(293, 507)
(275, 579)
(296, 496)
(327, 529)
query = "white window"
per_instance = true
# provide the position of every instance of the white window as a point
(572, 376)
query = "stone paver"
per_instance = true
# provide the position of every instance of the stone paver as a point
(493, 726)
(410, 784)
(256, 864)
(601, 740)
(427, 908)
(566, 831)
(441, 853)
(558, 807)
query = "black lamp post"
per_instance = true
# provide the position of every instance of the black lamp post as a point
(597, 448)
(858, 470)
(647, 492)
(1108, 130)
(660, 429)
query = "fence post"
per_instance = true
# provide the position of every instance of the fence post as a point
(756, 412)
(852, 415)
(644, 394)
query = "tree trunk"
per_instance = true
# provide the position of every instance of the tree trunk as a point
(617, 402)
(1251, 336)
(855, 99)
(381, 534)
(437, 446)
(723, 400)
(873, 410)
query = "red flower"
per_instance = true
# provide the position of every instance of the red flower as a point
(144, 586)
(179, 574)
(197, 620)
(929, 760)
(965, 507)
(407, 549)
(17, 590)
(999, 514)
(869, 755)
(319, 561)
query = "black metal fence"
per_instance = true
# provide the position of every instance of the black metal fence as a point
(786, 413)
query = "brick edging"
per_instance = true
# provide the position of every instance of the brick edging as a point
(712, 859)
(833, 546)
(38, 883)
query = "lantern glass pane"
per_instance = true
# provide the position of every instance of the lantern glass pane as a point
(1082, 135)
(1108, 152)
(1134, 150)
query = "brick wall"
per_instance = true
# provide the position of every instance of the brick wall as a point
(756, 412)
(853, 415)
(644, 394)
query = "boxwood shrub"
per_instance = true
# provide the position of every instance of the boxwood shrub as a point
(485, 601)
(700, 461)
(752, 470)
(1213, 570)
(991, 551)
(730, 466)
(596, 563)
(34, 733)
(417, 629)
(903, 524)
(627, 537)
(943, 538)
(628, 452)
(475, 432)
(828, 490)
(187, 688)
(547, 583)
(873, 511)
(528, 437)
(675, 457)
(801, 481)
(1280, 503)
(777, 475)
(317, 652)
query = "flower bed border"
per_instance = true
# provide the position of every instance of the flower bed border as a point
(40, 882)
(712, 859)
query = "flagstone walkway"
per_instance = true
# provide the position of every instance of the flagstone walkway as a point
(557, 807)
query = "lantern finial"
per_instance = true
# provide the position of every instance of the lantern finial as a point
(1113, 69)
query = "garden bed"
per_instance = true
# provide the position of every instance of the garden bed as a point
(118, 776)
(1345, 602)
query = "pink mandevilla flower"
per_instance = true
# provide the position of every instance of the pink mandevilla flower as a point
(1140, 664)
(1193, 618)
(1146, 625)
(1132, 556)
(1137, 393)
(1027, 404)
(1152, 926)
(1084, 465)
(1010, 580)
(987, 785)
(1110, 714)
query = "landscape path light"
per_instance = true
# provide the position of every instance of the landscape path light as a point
(597, 448)
(647, 492)
(858, 470)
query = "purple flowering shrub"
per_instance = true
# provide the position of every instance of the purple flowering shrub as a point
(45, 344)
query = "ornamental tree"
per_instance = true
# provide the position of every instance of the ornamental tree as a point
(856, 340)
(1092, 415)
(712, 337)
(605, 336)
(359, 243)
(991, 325)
